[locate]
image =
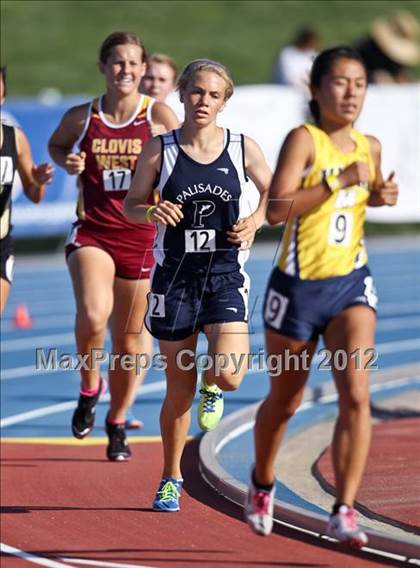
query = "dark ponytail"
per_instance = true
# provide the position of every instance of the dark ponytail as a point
(314, 108)
(322, 65)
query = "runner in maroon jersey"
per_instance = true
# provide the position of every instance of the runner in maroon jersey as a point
(109, 257)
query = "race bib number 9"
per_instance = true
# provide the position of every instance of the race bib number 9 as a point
(200, 240)
(116, 180)
(341, 227)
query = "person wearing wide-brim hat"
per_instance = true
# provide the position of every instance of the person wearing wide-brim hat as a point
(392, 47)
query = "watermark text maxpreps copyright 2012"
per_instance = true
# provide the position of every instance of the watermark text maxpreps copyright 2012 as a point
(325, 360)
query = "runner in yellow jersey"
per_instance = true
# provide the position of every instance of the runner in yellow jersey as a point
(327, 174)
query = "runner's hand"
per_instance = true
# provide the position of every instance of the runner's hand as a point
(75, 163)
(43, 173)
(388, 192)
(355, 174)
(167, 213)
(243, 232)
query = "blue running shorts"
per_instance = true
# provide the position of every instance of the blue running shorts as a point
(302, 309)
(180, 303)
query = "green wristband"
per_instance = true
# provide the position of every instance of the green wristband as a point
(149, 213)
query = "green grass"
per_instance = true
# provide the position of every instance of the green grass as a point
(55, 43)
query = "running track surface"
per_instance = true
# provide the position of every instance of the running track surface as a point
(67, 500)
(390, 487)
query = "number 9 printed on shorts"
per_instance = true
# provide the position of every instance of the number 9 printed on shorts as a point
(275, 308)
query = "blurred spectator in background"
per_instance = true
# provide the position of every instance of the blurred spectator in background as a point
(392, 47)
(160, 77)
(294, 61)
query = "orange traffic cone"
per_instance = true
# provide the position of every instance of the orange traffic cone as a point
(22, 318)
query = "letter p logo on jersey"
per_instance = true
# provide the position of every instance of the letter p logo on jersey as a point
(202, 209)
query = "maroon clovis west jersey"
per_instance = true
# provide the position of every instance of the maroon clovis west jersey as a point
(111, 157)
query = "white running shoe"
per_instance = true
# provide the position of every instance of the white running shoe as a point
(259, 509)
(343, 526)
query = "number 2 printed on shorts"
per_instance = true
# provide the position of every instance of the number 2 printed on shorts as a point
(156, 305)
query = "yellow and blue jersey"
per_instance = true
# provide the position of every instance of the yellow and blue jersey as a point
(327, 241)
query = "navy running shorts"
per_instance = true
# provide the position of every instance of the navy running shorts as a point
(179, 304)
(302, 309)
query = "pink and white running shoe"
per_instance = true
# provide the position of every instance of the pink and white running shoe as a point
(343, 526)
(259, 509)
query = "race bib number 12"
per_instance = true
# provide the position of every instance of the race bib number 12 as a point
(200, 240)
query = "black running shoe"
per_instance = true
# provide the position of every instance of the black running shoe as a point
(84, 414)
(118, 448)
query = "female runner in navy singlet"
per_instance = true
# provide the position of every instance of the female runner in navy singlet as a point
(204, 230)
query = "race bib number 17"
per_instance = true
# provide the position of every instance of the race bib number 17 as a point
(116, 180)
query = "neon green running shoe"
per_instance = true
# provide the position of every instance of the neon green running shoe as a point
(210, 408)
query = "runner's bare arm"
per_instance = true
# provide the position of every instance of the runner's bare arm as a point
(135, 203)
(164, 118)
(383, 192)
(64, 137)
(34, 178)
(286, 197)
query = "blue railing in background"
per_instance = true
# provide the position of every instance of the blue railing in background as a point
(55, 214)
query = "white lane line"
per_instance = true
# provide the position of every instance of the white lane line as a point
(412, 322)
(391, 324)
(381, 348)
(324, 399)
(32, 414)
(37, 341)
(44, 307)
(397, 308)
(393, 346)
(156, 386)
(57, 340)
(27, 371)
(102, 563)
(6, 549)
(55, 263)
